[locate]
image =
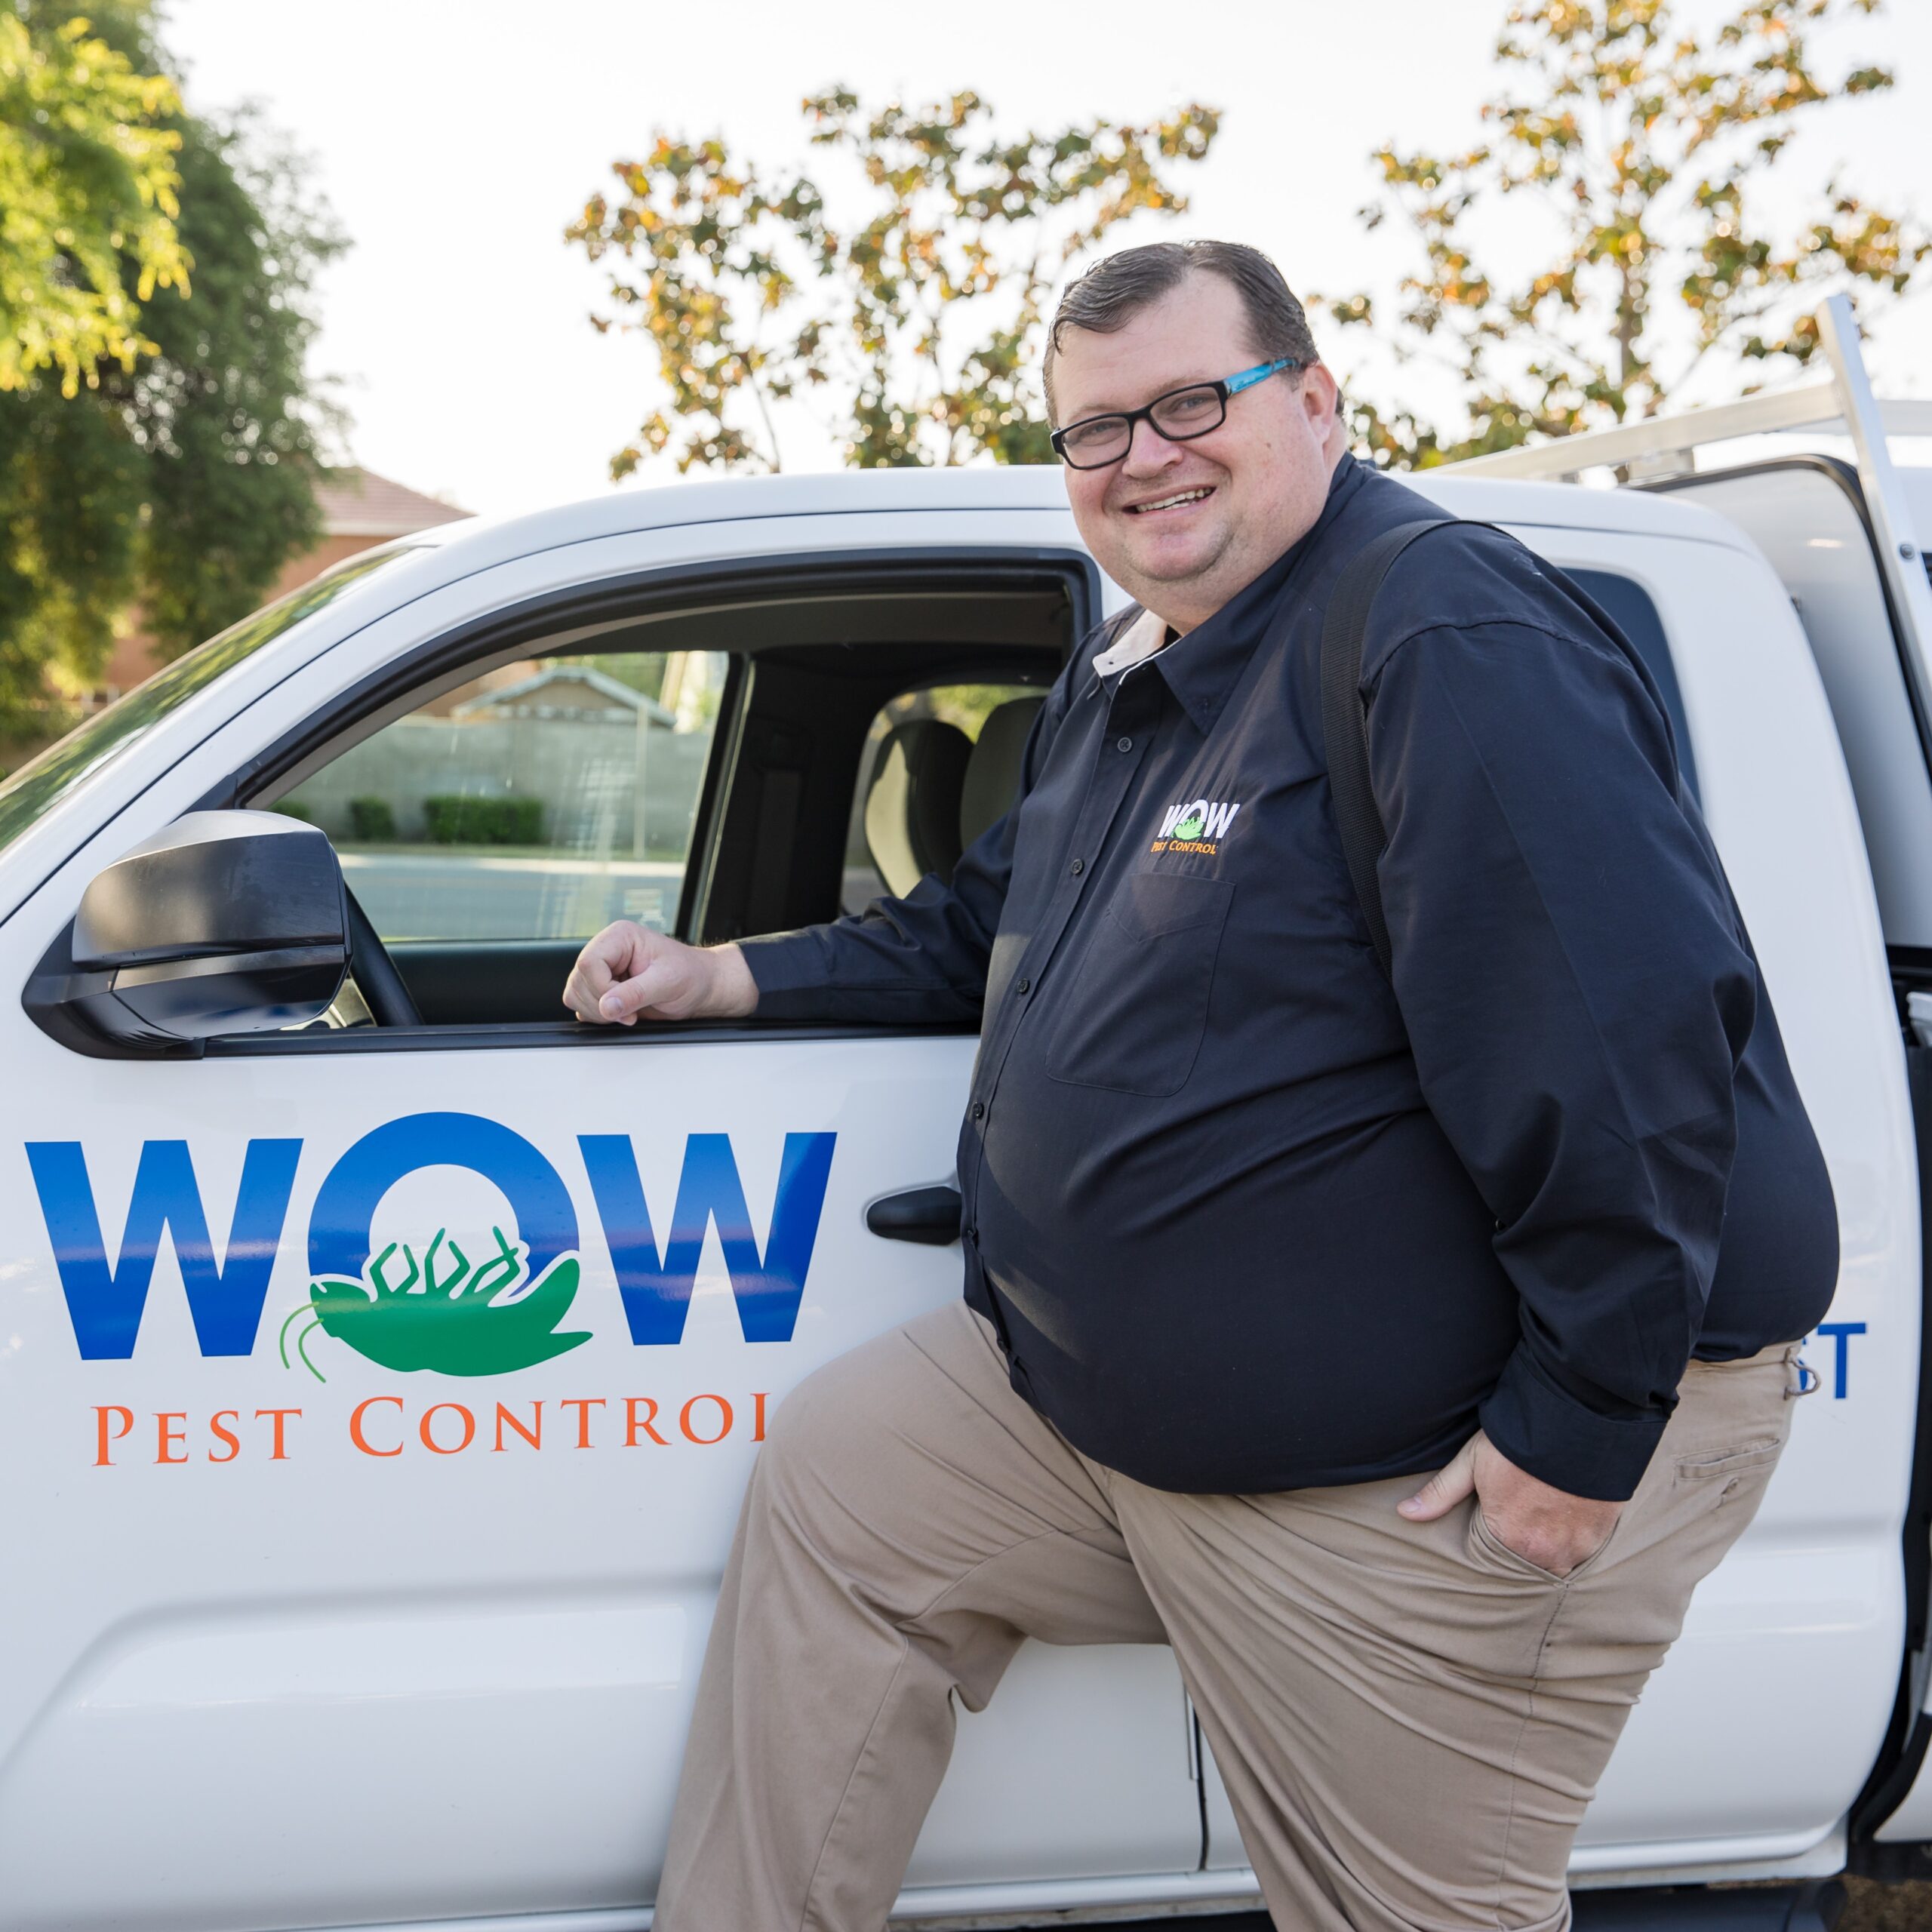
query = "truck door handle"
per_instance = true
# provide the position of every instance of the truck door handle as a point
(929, 1215)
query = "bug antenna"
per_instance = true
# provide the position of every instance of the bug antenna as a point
(302, 1349)
(301, 1307)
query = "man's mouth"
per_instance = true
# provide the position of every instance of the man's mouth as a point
(1178, 500)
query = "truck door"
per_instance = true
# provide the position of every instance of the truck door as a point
(1810, 516)
(323, 1614)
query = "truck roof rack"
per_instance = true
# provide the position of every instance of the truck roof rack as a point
(1662, 447)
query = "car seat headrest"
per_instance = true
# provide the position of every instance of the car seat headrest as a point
(912, 803)
(992, 773)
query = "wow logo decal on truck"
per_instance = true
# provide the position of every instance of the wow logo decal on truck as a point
(431, 1305)
(437, 1311)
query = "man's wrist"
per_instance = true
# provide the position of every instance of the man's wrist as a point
(733, 994)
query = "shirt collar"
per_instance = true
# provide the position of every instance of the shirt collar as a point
(1146, 634)
(1201, 668)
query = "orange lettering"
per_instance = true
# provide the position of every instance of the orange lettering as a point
(533, 1435)
(233, 1441)
(279, 1451)
(102, 1438)
(169, 1438)
(758, 1418)
(691, 1434)
(583, 1404)
(633, 1423)
(429, 1435)
(355, 1435)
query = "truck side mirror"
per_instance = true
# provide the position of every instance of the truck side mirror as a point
(225, 922)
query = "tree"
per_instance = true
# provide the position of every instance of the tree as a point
(921, 325)
(179, 474)
(87, 187)
(1643, 143)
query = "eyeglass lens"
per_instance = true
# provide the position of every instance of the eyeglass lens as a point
(1185, 413)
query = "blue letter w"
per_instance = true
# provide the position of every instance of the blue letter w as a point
(656, 1292)
(224, 1298)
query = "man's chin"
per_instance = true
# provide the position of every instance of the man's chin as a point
(1178, 559)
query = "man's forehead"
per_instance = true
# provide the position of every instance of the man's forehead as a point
(1197, 333)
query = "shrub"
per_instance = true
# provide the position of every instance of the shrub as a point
(371, 820)
(289, 808)
(461, 821)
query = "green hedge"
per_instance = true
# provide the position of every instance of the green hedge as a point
(372, 819)
(460, 821)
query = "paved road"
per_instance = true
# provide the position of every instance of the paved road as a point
(419, 895)
(466, 895)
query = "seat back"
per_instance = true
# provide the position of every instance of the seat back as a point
(992, 773)
(913, 803)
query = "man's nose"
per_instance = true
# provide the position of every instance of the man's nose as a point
(1149, 453)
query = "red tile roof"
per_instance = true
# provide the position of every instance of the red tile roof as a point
(357, 503)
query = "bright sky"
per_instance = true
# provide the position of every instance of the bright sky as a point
(456, 142)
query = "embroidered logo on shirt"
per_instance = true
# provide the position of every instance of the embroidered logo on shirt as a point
(1197, 827)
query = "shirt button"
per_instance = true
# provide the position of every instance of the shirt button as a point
(979, 1109)
(1079, 866)
(1025, 985)
(1126, 744)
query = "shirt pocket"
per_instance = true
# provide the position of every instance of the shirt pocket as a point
(1136, 1012)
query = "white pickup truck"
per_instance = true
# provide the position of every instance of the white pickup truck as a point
(382, 1355)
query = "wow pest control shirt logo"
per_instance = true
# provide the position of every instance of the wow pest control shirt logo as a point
(1199, 826)
(468, 1295)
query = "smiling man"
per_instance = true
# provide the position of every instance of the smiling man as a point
(1371, 1336)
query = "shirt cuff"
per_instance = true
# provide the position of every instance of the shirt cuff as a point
(1545, 1430)
(789, 971)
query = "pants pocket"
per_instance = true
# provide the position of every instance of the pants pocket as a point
(1720, 1465)
(1487, 1543)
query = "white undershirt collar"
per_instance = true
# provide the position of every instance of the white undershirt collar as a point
(1142, 638)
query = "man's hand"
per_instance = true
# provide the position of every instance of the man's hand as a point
(628, 972)
(1549, 1527)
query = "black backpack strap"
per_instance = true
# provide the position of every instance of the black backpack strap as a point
(1345, 717)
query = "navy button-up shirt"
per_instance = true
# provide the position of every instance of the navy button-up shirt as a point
(1247, 1215)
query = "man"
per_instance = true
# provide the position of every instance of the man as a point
(1255, 1235)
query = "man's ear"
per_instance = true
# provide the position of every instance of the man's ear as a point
(1321, 395)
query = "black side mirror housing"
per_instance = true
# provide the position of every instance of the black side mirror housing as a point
(226, 922)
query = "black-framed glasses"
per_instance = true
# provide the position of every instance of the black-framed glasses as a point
(1180, 416)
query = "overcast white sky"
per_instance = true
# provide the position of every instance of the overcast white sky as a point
(456, 141)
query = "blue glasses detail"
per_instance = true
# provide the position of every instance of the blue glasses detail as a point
(1180, 416)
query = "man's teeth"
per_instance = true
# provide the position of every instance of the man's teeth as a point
(1168, 503)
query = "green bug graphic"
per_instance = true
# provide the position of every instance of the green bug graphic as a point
(1191, 827)
(486, 1323)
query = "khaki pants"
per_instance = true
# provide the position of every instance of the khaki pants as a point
(1410, 1719)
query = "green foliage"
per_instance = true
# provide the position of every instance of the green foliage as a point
(1640, 140)
(372, 821)
(453, 819)
(179, 477)
(920, 327)
(87, 194)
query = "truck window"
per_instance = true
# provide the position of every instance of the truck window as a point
(540, 800)
(697, 773)
(1629, 604)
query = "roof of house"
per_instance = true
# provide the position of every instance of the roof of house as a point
(357, 503)
(519, 696)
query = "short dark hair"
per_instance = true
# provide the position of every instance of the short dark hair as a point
(1113, 291)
